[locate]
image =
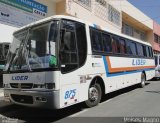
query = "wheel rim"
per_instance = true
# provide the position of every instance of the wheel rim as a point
(93, 94)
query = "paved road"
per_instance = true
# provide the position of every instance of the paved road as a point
(130, 102)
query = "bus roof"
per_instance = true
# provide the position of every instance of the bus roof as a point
(82, 21)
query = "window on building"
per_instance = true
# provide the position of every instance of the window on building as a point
(127, 29)
(84, 3)
(156, 38)
(143, 36)
(159, 39)
(113, 15)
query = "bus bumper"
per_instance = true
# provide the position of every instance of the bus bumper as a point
(32, 98)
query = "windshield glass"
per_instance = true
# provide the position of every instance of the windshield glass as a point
(34, 48)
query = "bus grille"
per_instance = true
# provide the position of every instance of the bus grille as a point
(22, 99)
(22, 85)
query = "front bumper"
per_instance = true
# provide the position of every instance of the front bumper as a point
(34, 98)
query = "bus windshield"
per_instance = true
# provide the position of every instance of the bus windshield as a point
(34, 48)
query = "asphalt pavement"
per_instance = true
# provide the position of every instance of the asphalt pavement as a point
(131, 104)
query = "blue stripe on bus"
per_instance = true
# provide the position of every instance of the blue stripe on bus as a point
(121, 73)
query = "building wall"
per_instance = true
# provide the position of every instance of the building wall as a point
(135, 13)
(156, 44)
(7, 29)
(96, 13)
(140, 25)
(51, 5)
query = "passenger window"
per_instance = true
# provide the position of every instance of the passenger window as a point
(151, 52)
(156, 60)
(96, 41)
(131, 48)
(68, 47)
(81, 43)
(140, 49)
(144, 51)
(107, 43)
(147, 51)
(114, 44)
(122, 46)
(73, 45)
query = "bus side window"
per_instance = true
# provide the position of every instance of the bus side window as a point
(96, 41)
(81, 43)
(114, 45)
(151, 51)
(140, 49)
(156, 60)
(147, 51)
(107, 43)
(144, 51)
(122, 46)
(68, 47)
(131, 48)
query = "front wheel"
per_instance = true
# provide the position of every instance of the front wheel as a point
(143, 80)
(94, 95)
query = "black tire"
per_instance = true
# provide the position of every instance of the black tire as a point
(143, 80)
(94, 95)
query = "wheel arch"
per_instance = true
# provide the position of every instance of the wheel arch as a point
(100, 81)
(144, 74)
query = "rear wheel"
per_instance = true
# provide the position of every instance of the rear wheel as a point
(143, 80)
(94, 95)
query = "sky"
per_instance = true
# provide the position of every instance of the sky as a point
(151, 8)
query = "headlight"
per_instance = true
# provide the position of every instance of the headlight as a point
(50, 85)
(6, 85)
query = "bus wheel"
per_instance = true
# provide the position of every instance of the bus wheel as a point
(94, 95)
(143, 79)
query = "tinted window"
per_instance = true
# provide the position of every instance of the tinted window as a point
(114, 45)
(82, 43)
(68, 47)
(107, 43)
(131, 48)
(155, 59)
(122, 46)
(96, 40)
(151, 52)
(140, 49)
(147, 51)
(144, 51)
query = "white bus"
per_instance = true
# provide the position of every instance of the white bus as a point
(61, 61)
(157, 63)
